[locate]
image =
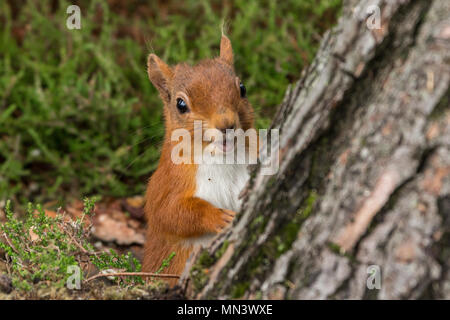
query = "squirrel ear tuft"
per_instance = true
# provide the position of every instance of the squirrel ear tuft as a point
(160, 74)
(226, 51)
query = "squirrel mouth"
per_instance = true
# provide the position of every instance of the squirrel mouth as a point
(225, 146)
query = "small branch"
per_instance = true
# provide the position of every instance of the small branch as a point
(141, 274)
(83, 249)
(9, 243)
(7, 264)
(79, 245)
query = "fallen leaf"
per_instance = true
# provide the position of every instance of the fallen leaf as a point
(111, 230)
(33, 235)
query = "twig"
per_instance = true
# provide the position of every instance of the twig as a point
(7, 264)
(79, 245)
(142, 274)
(83, 249)
(9, 243)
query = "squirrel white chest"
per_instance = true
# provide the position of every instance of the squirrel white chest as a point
(221, 184)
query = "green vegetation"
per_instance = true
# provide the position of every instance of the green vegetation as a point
(166, 262)
(199, 271)
(278, 245)
(222, 250)
(40, 249)
(78, 115)
(239, 290)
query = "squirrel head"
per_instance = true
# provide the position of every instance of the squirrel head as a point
(209, 91)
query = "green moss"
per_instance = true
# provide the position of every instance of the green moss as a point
(265, 255)
(258, 295)
(276, 246)
(256, 227)
(306, 210)
(239, 289)
(205, 260)
(334, 247)
(198, 277)
(271, 182)
(257, 220)
(290, 230)
(255, 264)
(198, 273)
(441, 107)
(321, 161)
(222, 249)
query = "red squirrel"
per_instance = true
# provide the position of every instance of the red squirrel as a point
(188, 204)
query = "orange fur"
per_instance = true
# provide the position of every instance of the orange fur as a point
(174, 215)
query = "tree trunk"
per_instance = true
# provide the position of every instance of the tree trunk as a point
(364, 175)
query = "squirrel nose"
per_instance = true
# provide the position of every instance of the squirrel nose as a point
(224, 129)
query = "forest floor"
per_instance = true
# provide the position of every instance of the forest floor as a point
(116, 224)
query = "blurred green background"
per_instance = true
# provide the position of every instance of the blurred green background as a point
(78, 115)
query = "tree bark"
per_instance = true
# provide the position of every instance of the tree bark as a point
(364, 175)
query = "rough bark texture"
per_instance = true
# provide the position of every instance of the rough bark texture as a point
(364, 174)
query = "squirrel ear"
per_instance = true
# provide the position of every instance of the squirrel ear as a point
(226, 51)
(160, 74)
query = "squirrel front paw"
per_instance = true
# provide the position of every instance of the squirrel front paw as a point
(223, 219)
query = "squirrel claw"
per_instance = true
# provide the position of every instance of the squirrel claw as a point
(227, 218)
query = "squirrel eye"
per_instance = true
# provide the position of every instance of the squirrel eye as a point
(182, 106)
(243, 90)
